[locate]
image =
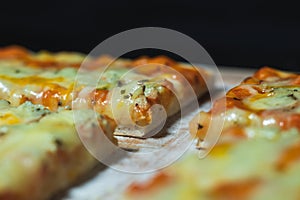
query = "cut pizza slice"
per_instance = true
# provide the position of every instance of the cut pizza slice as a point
(249, 169)
(264, 105)
(40, 151)
(125, 92)
(257, 155)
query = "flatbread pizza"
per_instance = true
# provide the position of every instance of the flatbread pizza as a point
(40, 151)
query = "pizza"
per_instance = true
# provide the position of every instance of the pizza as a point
(257, 155)
(49, 79)
(40, 151)
(264, 105)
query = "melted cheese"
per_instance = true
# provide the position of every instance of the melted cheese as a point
(230, 164)
(20, 81)
(41, 144)
(278, 97)
(25, 113)
(261, 109)
(264, 164)
(38, 140)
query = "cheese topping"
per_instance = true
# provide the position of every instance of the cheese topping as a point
(24, 78)
(243, 170)
(40, 152)
(257, 107)
(41, 144)
(257, 156)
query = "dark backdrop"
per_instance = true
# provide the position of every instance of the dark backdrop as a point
(235, 33)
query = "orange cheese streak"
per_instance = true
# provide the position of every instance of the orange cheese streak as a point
(98, 100)
(13, 52)
(19, 53)
(32, 80)
(267, 72)
(288, 157)
(192, 75)
(55, 96)
(235, 190)
(158, 181)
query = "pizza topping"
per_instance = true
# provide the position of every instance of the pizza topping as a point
(141, 82)
(280, 97)
(235, 190)
(132, 102)
(269, 74)
(123, 91)
(164, 65)
(258, 150)
(158, 181)
(240, 92)
(58, 143)
(13, 52)
(32, 150)
(25, 113)
(288, 157)
(235, 169)
(23, 78)
(37, 131)
(293, 97)
(199, 126)
(265, 105)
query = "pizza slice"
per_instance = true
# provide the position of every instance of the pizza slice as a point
(249, 169)
(125, 87)
(257, 155)
(264, 105)
(40, 151)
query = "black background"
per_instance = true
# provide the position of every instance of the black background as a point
(235, 33)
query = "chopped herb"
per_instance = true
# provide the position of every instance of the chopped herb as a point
(119, 83)
(126, 96)
(199, 126)
(17, 71)
(123, 91)
(58, 142)
(293, 97)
